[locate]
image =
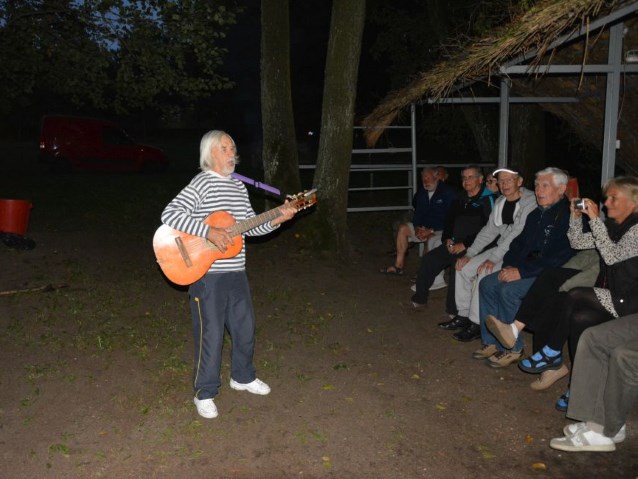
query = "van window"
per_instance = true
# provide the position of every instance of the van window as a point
(115, 136)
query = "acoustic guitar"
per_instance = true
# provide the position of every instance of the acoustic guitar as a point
(185, 258)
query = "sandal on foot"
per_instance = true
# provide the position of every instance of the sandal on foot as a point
(539, 362)
(392, 270)
(563, 402)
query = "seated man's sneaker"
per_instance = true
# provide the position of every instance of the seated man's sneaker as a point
(584, 440)
(206, 407)
(470, 333)
(485, 351)
(255, 387)
(458, 322)
(439, 284)
(576, 427)
(503, 359)
(549, 377)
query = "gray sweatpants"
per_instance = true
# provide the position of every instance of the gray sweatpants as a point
(218, 301)
(604, 384)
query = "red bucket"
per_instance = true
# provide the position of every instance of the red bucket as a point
(14, 216)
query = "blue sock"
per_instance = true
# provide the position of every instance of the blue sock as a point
(549, 352)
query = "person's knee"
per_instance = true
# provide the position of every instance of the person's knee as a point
(625, 360)
(404, 230)
(488, 284)
(510, 294)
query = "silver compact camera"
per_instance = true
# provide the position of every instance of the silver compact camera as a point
(579, 203)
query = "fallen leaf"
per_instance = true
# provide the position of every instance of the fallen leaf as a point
(529, 439)
(441, 406)
(416, 376)
(539, 466)
(328, 387)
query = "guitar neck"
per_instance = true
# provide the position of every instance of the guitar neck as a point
(245, 225)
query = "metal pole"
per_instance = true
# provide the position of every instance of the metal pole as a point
(612, 99)
(413, 138)
(503, 126)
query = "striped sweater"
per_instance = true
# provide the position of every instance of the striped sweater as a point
(206, 193)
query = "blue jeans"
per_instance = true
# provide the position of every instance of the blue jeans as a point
(502, 301)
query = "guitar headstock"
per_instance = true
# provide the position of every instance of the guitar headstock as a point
(303, 200)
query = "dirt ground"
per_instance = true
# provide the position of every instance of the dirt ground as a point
(96, 373)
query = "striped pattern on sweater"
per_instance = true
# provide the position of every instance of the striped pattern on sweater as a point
(206, 193)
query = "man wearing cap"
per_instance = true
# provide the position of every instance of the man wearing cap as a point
(543, 243)
(504, 224)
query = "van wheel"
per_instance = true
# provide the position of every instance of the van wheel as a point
(61, 166)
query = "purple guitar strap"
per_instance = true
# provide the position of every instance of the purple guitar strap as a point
(257, 184)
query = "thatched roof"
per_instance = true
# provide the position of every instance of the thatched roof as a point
(532, 34)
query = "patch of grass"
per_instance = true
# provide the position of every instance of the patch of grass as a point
(59, 448)
(305, 435)
(175, 364)
(17, 330)
(271, 366)
(37, 371)
(278, 296)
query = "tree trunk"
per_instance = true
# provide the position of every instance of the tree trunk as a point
(483, 121)
(280, 156)
(329, 223)
(527, 140)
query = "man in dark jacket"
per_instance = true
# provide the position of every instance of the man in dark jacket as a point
(466, 217)
(543, 243)
(431, 204)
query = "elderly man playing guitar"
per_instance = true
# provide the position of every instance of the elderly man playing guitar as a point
(221, 297)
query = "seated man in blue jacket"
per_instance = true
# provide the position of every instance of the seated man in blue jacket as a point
(431, 204)
(543, 243)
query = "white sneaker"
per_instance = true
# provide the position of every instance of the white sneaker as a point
(434, 287)
(576, 427)
(206, 407)
(438, 285)
(255, 387)
(585, 440)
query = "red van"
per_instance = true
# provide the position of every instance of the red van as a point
(70, 143)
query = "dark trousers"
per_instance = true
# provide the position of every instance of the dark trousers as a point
(218, 301)
(560, 317)
(432, 264)
(542, 304)
(581, 310)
